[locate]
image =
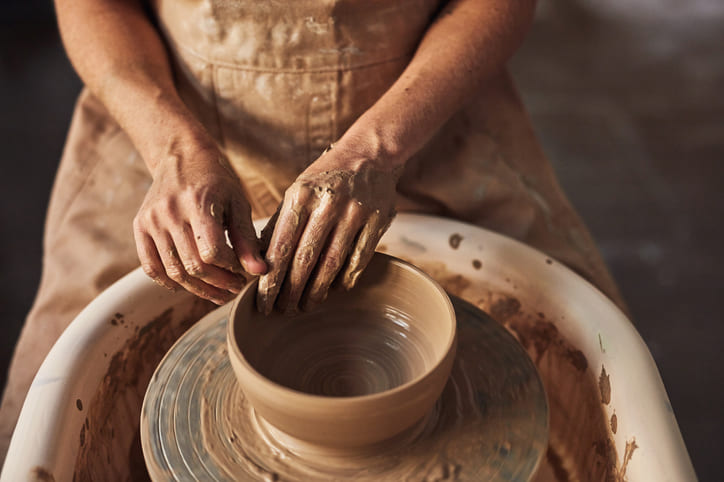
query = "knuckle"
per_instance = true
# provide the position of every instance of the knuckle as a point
(305, 255)
(333, 262)
(151, 270)
(194, 268)
(176, 273)
(137, 223)
(210, 254)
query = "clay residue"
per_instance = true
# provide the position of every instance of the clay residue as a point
(477, 264)
(453, 283)
(118, 319)
(455, 240)
(604, 386)
(614, 423)
(79, 404)
(41, 474)
(556, 465)
(490, 419)
(504, 308)
(109, 445)
(627, 454)
(579, 428)
(577, 359)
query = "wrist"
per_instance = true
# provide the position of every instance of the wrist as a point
(179, 141)
(161, 128)
(370, 143)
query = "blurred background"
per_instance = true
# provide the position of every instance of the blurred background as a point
(627, 98)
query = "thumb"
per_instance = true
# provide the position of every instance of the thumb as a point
(243, 239)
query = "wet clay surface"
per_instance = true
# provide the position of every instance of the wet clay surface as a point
(490, 423)
(580, 444)
(344, 353)
(108, 440)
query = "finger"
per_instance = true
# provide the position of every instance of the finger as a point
(195, 267)
(151, 262)
(243, 239)
(175, 270)
(305, 257)
(285, 237)
(333, 258)
(210, 239)
(365, 248)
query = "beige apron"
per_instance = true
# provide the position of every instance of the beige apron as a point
(275, 83)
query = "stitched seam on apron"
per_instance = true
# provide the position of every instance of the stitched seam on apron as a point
(251, 68)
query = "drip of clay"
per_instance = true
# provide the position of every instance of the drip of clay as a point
(361, 368)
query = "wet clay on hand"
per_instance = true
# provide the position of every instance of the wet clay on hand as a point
(328, 225)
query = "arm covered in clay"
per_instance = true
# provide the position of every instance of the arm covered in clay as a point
(335, 213)
(195, 195)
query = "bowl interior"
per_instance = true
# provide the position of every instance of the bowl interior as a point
(393, 328)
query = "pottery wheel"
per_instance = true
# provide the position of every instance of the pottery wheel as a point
(491, 422)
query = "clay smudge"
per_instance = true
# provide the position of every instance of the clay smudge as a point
(414, 245)
(505, 308)
(477, 264)
(455, 240)
(614, 423)
(556, 464)
(41, 474)
(600, 343)
(577, 359)
(549, 261)
(79, 404)
(120, 394)
(604, 386)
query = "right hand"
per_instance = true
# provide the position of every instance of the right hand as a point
(181, 227)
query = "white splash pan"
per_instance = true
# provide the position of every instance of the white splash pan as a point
(46, 436)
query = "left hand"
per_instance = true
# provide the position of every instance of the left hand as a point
(330, 221)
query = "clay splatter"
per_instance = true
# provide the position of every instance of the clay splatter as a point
(627, 454)
(455, 240)
(117, 319)
(477, 264)
(79, 404)
(604, 386)
(614, 423)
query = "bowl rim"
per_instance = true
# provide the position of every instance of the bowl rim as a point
(270, 387)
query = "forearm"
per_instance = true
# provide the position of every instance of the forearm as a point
(120, 57)
(469, 42)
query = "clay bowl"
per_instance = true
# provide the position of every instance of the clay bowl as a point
(359, 369)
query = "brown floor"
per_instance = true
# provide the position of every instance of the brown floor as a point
(626, 99)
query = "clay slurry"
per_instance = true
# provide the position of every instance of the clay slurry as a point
(358, 351)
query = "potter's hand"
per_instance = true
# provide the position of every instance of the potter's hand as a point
(330, 221)
(180, 230)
